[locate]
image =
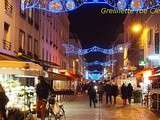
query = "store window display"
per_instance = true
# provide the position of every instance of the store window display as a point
(20, 91)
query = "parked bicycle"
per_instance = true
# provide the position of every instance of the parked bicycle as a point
(55, 109)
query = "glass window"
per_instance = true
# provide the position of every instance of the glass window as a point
(157, 43)
(36, 47)
(21, 39)
(29, 45)
(22, 11)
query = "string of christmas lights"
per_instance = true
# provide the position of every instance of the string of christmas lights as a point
(58, 6)
(72, 50)
(108, 63)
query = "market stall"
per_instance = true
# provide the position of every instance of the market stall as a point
(19, 79)
(155, 92)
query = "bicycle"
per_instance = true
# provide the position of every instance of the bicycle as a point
(55, 109)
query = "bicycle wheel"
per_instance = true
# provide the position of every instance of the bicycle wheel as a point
(62, 114)
(51, 116)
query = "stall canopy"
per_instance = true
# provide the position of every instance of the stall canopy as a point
(20, 68)
(56, 76)
(155, 77)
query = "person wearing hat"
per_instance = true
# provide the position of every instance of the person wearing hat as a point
(42, 90)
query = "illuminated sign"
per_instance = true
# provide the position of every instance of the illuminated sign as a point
(58, 6)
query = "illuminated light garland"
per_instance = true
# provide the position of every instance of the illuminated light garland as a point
(96, 75)
(72, 50)
(109, 63)
(58, 6)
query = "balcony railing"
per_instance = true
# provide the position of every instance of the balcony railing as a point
(8, 8)
(6, 45)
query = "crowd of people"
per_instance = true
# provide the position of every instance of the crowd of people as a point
(96, 91)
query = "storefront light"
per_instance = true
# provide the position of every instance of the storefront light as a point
(154, 57)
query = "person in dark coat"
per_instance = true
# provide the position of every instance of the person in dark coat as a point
(42, 90)
(129, 92)
(92, 95)
(115, 92)
(3, 102)
(108, 91)
(124, 93)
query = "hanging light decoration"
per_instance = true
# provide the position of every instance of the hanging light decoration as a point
(136, 5)
(70, 5)
(55, 6)
(121, 4)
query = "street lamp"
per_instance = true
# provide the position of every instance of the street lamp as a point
(136, 28)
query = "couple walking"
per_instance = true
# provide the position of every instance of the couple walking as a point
(126, 92)
(111, 91)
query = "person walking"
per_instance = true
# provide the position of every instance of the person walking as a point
(115, 92)
(42, 91)
(108, 91)
(100, 91)
(3, 102)
(129, 92)
(124, 93)
(92, 95)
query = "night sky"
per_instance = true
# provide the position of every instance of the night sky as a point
(94, 28)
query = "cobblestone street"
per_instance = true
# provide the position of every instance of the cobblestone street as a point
(78, 109)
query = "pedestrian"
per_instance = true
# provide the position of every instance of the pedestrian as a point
(108, 91)
(115, 92)
(92, 95)
(100, 91)
(129, 92)
(124, 93)
(3, 102)
(42, 90)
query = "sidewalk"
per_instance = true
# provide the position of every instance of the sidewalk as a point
(78, 109)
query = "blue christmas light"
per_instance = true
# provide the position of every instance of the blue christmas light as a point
(121, 4)
(108, 63)
(57, 6)
(72, 50)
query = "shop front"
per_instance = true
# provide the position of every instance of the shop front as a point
(62, 84)
(155, 92)
(19, 79)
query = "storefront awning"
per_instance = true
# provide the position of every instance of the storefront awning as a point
(20, 68)
(155, 77)
(56, 76)
(8, 57)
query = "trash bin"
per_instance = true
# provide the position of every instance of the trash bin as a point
(137, 96)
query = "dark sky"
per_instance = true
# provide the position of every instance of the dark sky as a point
(94, 28)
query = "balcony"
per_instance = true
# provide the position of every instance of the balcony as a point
(8, 8)
(6, 45)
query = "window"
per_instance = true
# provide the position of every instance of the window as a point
(8, 8)
(36, 47)
(36, 17)
(6, 37)
(22, 11)
(21, 39)
(30, 16)
(42, 53)
(29, 45)
(157, 43)
(150, 36)
(47, 55)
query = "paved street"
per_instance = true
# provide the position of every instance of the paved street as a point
(78, 109)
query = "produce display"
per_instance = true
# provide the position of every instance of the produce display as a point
(20, 96)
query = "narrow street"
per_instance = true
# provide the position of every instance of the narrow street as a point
(78, 109)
